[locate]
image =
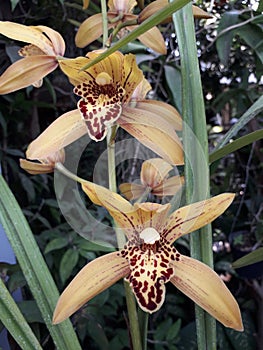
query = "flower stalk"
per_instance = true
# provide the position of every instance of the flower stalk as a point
(130, 300)
(196, 176)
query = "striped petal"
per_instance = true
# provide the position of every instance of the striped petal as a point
(26, 72)
(55, 38)
(169, 186)
(90, 30)
(206, 289)
(27, 34)
(154, 40)
(131, 190)
(63, 131)
(168, 112)
(93, 279)
(154, 132)
(36, 168)
(154, 171)
(192, 217)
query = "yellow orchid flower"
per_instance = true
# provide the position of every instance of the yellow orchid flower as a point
(120, 12)
(44, 166)
(39, 57)
(149, 260)
(154, 179)
(112, 91)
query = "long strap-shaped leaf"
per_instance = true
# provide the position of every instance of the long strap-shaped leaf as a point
(253, 110)
(15, 322)
(196, 155)
(34, 267)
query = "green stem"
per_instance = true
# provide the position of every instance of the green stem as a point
(143, 324)
(196, 155)
(130, 300)
(104, 22)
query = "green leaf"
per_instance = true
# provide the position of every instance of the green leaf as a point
(235, 145)
(251, 258)
(224, 41)
(253, 110)
(56, 243)
(67, 264)
(13, 4)
(173, 331)
(150, 22)
(34, 268)
(15, 322)
(174, 82)
(253, 35)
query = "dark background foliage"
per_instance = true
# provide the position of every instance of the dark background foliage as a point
(231, 70)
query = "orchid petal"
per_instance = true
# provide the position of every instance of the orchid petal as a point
(55, 38)
(27, 34)
(132, 75)
(199, 13)
(93, 279)
(169, 186)
(154, 40)
(89, 30)
(125, 6)
(63, 131)
(85, 4)
(192, 217)
(26, 72)
(168, 112)
(200, 283)
(154, 171)
(142, 215)
(157, 5)
(131, 190)
(36, 168)
(154, 132)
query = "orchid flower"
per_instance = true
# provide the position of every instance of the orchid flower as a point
(120, 13)
(39, 57)
(154, 179)
(149, 260)
(112, 91)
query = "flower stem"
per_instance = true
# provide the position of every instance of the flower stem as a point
(143, 324)
(130, 300)
(104, 22)
(196, 155)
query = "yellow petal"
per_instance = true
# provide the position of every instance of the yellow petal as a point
(119, 208)
(199, 13)
(89, 30)
(158, 5)
(206, 289)
(113, 65)
(169, 187)
(192, 217)
(141, 90)
(63, 131)
(93, 279)
(26, 72)
(132, 76)
(153, 132)
(125, 6)
(154, 40)
(27, 34)
(55, 38)
(36, 168)
(85, 4)
(166, 111)
(154, 171)
(131, 190)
